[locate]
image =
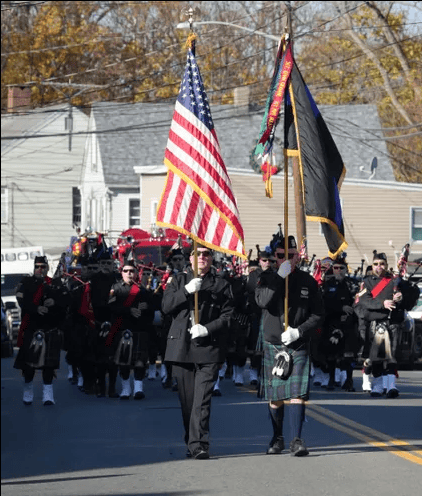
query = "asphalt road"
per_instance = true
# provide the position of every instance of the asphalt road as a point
(87, 446)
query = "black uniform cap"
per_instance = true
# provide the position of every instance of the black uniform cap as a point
(41, 260)
(379, 256)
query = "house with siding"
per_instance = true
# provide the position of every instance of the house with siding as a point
(40, 174)
(123, 177)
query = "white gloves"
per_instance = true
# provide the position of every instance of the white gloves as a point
(285, 269)
(194, 286)
(198, 331)
(290, 335)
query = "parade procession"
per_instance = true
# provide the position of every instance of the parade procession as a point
(190, 311)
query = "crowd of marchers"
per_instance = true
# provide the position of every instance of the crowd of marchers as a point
(271, 321)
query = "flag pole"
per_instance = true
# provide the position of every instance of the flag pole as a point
(286, 237)
(195, 274)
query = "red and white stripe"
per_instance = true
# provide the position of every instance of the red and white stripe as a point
(198, 199)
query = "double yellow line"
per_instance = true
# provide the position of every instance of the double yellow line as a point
(363, 433)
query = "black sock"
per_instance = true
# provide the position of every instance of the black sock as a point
(277, 417)
(296, 416)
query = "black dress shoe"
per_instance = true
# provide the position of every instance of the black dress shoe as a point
(140, 395)
(201, 454)
(216, 392)
(276, 446)
(298, 447)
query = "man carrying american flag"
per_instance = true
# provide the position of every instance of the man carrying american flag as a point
(198, 201)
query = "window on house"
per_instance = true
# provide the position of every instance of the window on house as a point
(76, 207)
(4, 206)
(134, 212)
(416, 223)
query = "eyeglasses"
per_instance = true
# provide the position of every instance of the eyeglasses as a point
(204, 253)
(382, 264)
(129, 270)
(40, 266)
(338, 267)
(280, 256)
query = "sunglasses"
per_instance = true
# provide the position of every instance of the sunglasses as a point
(40, 266)
(382, 264)
(95, 267)
(177, 259)
(280, 256)
(203, 253)
(129, 270)
(338, 267)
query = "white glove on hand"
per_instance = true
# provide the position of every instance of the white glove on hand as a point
(194, 286)
(290, 335)
(285, 269)
(198, 331)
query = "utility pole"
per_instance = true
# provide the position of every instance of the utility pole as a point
(297, 180)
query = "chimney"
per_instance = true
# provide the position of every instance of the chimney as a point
(19, 99)
(241, 99)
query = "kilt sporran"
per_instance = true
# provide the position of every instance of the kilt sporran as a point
(124, 349)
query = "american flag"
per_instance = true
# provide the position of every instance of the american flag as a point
(198, 199)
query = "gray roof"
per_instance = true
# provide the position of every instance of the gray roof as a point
(24, 124)
(142, 132)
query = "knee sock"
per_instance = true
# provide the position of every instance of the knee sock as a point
(277, 417)
(296, 417)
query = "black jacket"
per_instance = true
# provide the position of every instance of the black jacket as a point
(373, 308)
(215, 304)
(306, 309)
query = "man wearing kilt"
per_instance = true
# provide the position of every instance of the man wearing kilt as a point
(101, 283)
(132, 316)
(43, 304)
(304, 317)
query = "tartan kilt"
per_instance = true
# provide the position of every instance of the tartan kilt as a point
(139, 357)
(296, 386)
(53, 347)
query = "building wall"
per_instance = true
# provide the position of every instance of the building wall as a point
(39, 174)
(374, 214)
(120, 211)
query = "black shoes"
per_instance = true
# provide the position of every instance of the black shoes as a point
(276, 446)
(139, 395)
(216, 392)
(200, 454)
(298, 447)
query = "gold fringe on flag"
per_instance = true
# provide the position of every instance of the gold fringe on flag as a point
(191, 38)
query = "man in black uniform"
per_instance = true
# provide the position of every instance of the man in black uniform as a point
(339, 342)
(197, 350)
(382, 303)
(132, 315)
(265, 262)
(101, 283)
(305, 315)
(43, 304)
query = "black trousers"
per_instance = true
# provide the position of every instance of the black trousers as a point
(195, 384)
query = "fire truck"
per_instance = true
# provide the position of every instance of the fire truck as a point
(150, 248)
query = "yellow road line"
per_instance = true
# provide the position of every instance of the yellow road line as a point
(352, 429)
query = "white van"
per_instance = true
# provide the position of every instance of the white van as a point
(16, 263)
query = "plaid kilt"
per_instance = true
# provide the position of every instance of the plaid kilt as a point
(139, 356)
(296, 386)
(53, 347)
